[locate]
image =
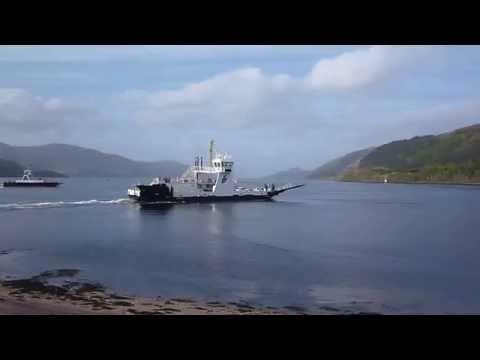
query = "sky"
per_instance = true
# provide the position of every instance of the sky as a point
(271, 107)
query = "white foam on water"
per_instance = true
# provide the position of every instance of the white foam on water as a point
(55, 204)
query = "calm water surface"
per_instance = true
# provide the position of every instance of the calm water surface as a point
(360, 247)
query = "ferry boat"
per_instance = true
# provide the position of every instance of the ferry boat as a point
(210, 182)
(27, 181)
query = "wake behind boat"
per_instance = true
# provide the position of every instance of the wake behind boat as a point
(27, 181)
(212, 182)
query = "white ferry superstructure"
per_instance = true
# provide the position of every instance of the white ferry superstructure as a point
(209, 182)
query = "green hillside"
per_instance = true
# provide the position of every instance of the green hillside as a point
(339, 166)
(450, 157)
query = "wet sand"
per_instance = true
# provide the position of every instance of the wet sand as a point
(39, 296)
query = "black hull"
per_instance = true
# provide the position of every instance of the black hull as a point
(200, 199)
(14, 184)
(161, 195)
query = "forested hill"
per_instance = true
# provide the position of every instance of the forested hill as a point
(337, 167)
(449, 157)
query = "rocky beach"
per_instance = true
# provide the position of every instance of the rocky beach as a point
(58, 292)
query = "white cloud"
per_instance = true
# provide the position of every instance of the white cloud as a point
(360, 68)
(248, 97)
(22, 112)
(239, 98)
(439, 118)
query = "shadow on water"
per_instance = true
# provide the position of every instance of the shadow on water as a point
(202, 219)
(156, 209)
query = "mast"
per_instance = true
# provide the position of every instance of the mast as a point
(211, 152)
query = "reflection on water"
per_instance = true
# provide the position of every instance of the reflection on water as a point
(351, 247)
(220, 219)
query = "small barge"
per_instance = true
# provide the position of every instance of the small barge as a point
(27, 181)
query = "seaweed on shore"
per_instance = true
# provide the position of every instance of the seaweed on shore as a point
(33, 285)
(49, 274)
(171, 309)
(298, 309)
(243, 306)
(122, 303)
(90, 287)
(181, 300)
(143, 312)
(39, 285)
(329, 308)
(215, 304)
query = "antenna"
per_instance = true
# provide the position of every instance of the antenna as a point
(211, 152)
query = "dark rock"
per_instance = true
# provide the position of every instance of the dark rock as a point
(244, 310)
(137, 312)
(295, 308)
(367, 313)
(33, 284)
(171, 309)
(58, 273)
(329, 308)
(242, 305)
(182, 300)
(215, 304)
(90, 287)
(118, 297)
(122, 303)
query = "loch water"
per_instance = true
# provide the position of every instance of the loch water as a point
(345, 247)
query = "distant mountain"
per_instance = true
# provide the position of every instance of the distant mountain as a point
(294, 174)
(449, 157)
(337, 167)
(12, 169)
(330, 170)
(78, 161)
(48, 173)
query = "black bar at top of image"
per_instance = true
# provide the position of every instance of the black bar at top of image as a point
(238, 26)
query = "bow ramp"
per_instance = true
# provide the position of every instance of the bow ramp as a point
(285, 188)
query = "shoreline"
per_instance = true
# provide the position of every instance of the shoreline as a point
(409, 182)
(37, 296)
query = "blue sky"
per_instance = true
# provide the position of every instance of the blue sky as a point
(272, 107)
